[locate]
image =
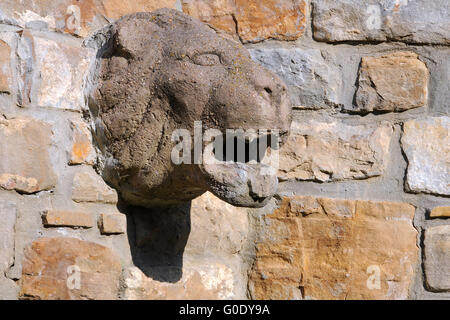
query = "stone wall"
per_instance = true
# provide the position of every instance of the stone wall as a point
(364, 200)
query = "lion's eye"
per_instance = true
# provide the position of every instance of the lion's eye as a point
(206, 59)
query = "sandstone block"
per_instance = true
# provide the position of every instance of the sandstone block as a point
(320, 151)
(5, 67)
(419, 21)
(114, 9)
(74, 17)
(112, 223)
(426, 143)
(25, 164)
(395, 82)
(82, 151)
(69, 269)
(90, 187)
(252, 21)
(437, 258)
(319, 248)
(440, 212)
(57, 218)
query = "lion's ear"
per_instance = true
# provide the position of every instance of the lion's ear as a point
(134, 37)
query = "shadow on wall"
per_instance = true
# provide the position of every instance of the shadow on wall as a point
(157, 239)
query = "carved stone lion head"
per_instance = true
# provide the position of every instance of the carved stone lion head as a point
(162, 71)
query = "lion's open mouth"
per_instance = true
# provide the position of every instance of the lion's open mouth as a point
(244, 169)
(249, 148)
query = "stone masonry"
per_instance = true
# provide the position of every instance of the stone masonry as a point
(363, 204)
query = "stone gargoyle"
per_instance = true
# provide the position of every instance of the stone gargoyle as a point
(161, 71)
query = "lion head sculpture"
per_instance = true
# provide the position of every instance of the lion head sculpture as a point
(161, 71)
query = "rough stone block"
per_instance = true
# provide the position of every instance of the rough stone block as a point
(426, 143)
(418, 21)
(5, 67)
(212, 281)
(395, 82)
(217, 227)
(74, 17)
(82, 151)
(440, 212)
(437, 258)
(319, 248)
(112, 223)
(56, 218)
(62, 66)
(25, 164)
(69, 269)
(252, 20)
(321, 151)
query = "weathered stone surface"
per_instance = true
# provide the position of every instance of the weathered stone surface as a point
(9, 289)
(184, 249)
(82, 151)
(418, 21)
(50, 269)
(8, 217)
(73, 16)
(321, 151)
(62, 66)
(394, 82)
(188, 73)
(115, 9)
(25, 164)
(252, 20)
(437, 258)
(57, 218)
(319, 248)
(217, 228)
(5, 67)
(313, 82)
(112, 223)
(90, 187)
(426, 143)
(52, 70)
(203, 282)
(440, 212)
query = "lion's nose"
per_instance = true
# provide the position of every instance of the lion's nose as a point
(269, 86)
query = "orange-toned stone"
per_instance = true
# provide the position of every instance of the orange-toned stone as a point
(5, 67)
(393, 82)
(115, 9)
(51, 267)
(115, 223)
(317, 248)
(82, 151)
(440, 212)
(56, 218)
(252, 20)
